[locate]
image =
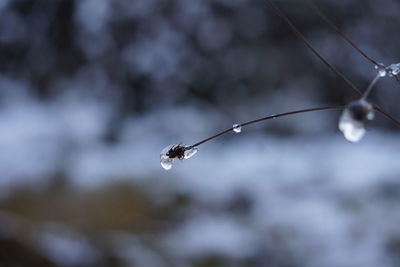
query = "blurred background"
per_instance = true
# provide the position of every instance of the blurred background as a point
(92, 90)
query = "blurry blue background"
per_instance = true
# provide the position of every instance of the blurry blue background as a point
(92, 90)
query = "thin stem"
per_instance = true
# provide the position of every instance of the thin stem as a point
(397, 78)
(264, 119)
(370, 86)
(387, 115)
(329, 22)
(282, 15)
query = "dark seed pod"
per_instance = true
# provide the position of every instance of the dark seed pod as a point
(177, 151)
(360, 110)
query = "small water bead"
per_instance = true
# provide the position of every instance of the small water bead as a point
(351, 122)
(237, 128)
(393, 69)
(382, 71)
(370, 115)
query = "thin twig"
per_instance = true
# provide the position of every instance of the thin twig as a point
(329, 22)
(384, 113)
(280, 13)
(264, 119)
(370, 86)
(397, 78)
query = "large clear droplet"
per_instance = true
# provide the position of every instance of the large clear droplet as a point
(237, 128)
(351, 122)
(394, 69)
(166, 161)
(190, 152)
(352, 129)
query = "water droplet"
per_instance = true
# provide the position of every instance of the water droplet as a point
(394, 69)
(237, 128)
(190, 152)
(165, 160)
(382, 71)
(352, 130)
(351, 122)
(172, 152)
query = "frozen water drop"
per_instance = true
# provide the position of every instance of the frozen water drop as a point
(382, 71)
(352, 130)
(394, 69)
(190, 152)
(165, 160)
(351, 122)
(237, 128)
(173, 152)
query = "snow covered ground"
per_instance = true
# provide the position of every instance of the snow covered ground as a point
(312, 198)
